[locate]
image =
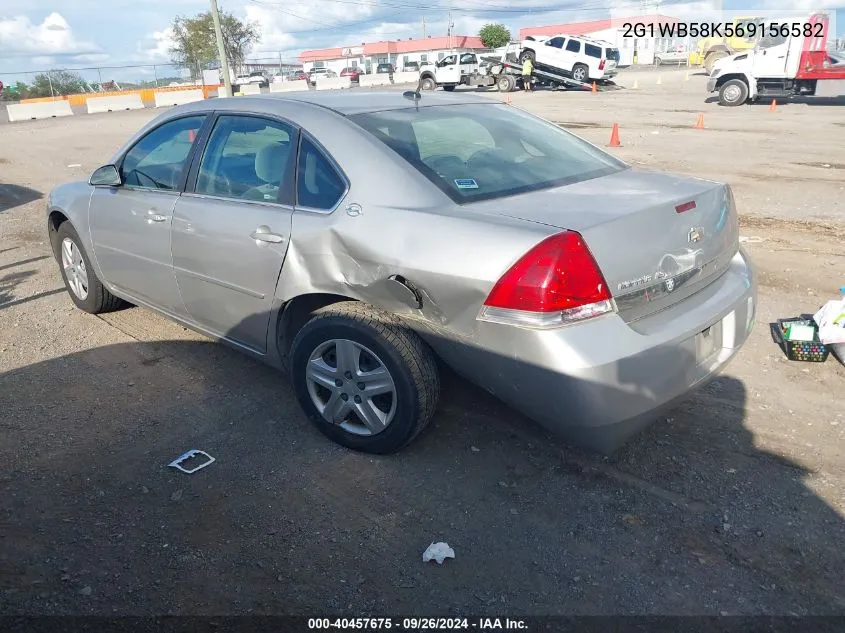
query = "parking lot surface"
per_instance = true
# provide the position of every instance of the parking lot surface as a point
(732, 504)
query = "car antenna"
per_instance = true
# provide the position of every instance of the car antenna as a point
(414, 94)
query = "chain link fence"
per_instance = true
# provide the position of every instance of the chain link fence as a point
(58, 82)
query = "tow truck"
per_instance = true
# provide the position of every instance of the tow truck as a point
(789, 60)
(503, 71)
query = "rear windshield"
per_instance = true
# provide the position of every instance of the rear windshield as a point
(612, 54)
(478, 152)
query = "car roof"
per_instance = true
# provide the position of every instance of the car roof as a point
(348, 102)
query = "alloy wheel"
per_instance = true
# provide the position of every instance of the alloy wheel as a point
(351, 387)
(74, 267)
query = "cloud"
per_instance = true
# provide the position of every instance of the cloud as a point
(21, 37)
(155, 47)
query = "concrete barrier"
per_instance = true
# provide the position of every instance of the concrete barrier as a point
(177, 97)
(378, 79)
(333, 83)
(407, 77)
(41, 110)
(113, 104)
(250, 89)
(289, 86)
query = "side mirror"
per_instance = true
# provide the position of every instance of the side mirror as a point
(106, 176)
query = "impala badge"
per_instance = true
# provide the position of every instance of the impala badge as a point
(695, 235)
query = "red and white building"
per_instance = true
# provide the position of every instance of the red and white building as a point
(397, 52)
(614, 31)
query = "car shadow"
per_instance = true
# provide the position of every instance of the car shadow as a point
(12, 196)
(690, 517)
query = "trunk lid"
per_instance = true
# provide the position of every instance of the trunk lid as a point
(657, 238)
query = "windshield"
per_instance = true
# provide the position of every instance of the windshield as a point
(479, 152)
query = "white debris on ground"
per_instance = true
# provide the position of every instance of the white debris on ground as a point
(438, 552)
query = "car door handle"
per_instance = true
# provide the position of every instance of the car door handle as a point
(152, 216)
(263, 234)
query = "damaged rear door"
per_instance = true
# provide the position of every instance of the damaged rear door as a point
(231, 228)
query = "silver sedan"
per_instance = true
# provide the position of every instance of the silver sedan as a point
(356, 239)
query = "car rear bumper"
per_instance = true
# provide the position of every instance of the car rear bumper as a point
(602, 381)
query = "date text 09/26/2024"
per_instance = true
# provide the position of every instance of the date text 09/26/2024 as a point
(417, 624)
(749, 30)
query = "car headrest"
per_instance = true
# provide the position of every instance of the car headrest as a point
(271, 161)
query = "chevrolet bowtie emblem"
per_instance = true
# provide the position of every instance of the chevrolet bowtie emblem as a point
(695, 235)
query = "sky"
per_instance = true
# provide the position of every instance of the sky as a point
(44, 34)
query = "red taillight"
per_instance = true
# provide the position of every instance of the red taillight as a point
(601, 65)
(557, 277)
(686, 206)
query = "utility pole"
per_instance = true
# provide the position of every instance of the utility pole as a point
(221, 50)
(423, 20)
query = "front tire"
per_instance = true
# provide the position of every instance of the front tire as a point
(85, 290)
(365, 381)
(529, 54)
(733, 93)
(428, 83)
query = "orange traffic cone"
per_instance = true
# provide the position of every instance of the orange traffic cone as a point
(773, 106)
(614, 136)
(699, 124)
(594, 87)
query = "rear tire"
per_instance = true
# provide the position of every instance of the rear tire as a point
(733, 93)
(580, 73)
(382, 343)
(85, 290)
(448, 88)
(506, 83)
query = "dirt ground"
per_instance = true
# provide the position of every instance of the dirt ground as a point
(733, 504)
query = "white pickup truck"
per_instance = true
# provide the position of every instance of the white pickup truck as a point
(789, 60)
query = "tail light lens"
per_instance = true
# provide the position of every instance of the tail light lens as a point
(601, 65)
(556, 283)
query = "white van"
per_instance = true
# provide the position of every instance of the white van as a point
(582, 58)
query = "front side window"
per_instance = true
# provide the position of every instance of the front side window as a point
(159, 159)
(556, 42)
(573, 46)
(479, 152)
(248, 158)
(318, 185)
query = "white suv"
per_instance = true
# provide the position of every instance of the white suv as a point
(581, 58)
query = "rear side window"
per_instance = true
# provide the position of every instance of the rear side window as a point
(593, 51)
(318, 184)
(479, 152)
(247, 158)
(573, 46)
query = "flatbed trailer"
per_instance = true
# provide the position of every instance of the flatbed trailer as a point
(502, 71)
(508, 76)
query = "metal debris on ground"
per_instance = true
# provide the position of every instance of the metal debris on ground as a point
(177, 463)
(438, 552)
